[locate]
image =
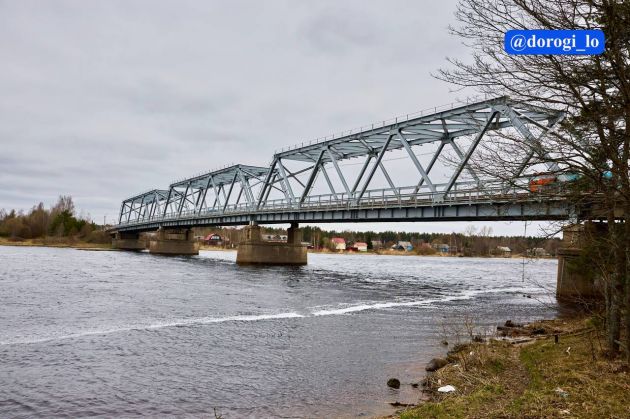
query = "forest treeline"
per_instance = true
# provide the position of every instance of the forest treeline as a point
(58, 221)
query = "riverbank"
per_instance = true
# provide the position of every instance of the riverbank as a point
(551, 368)
(55, 242)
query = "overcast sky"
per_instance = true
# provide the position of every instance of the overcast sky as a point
(104, 99)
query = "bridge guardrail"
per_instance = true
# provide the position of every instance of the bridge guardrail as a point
(374, 199)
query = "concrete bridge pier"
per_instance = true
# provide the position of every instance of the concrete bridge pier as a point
(128, 241)
(173, 242)
(576, 285)
(253, 250)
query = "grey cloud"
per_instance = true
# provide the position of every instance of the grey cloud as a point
(102, 100)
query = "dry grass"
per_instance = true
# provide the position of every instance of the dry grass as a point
(55, 242)
(505, 380)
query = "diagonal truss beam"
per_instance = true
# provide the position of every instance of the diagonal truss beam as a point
(328, 181)
(471, 149)
(415, 161)
(311, 178)
(379, 158)
(286, 184)
(339, 172)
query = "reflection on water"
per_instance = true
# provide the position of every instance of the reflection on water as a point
(132, 334)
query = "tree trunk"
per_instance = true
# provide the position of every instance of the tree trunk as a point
(616, 285)
(626, 224)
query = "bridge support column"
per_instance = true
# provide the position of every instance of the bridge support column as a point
(575, 284)
(174, 242)
(128, 241)
(253, 250)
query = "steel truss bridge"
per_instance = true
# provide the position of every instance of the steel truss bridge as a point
(315, 182)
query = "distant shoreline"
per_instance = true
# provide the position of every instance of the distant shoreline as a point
(78, 244)
(55, 242)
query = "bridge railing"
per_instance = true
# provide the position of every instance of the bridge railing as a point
(409, 196)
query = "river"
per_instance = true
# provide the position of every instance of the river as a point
(86, 333)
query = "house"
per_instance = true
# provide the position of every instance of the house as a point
(360, 247)
(377, 244)
(338, 243)
(504, 251)
(275, 237)
(401, 245)
(213, 240)
(537, 252)
(441, 247)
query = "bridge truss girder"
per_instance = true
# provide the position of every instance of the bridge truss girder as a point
(242, 189)
(220, 190)
(445, 128)
(143, 206)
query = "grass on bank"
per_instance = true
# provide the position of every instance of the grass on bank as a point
(537, 379)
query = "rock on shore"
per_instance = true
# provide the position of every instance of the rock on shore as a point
(435, 364)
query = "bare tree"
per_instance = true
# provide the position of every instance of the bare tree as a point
(64, 203)
(592, 142)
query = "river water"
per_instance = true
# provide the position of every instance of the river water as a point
(86, 333)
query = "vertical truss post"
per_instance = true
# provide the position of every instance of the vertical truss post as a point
(311, 179)
(379, 158)
(339, 173)
(471, 149)
(415, 161)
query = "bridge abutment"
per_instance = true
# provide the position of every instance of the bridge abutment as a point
(254, 250)
(128, 241)
(574, 283)
(174, 242)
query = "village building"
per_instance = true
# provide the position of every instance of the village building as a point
(274, 237)
(213, 239)
(441, 247)
(360, 247)
(537, 252)
(338, 243)
(504, 251)
(402, 245)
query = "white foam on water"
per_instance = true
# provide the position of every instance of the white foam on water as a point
(160, 325)
(466, 295)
